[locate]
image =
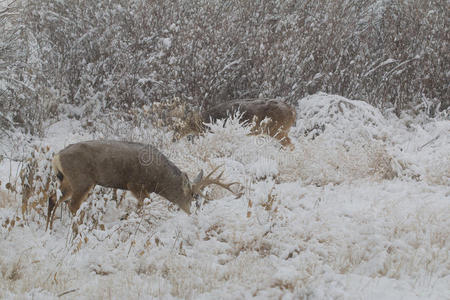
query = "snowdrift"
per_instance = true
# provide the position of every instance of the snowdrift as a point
(358, 210)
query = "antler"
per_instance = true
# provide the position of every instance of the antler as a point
(198, 186)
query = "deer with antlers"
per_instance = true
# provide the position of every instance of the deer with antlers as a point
(135, 167)
(271, 117)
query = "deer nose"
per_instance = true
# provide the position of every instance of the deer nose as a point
(186, 208)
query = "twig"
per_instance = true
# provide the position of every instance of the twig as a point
(177, 237)
(135, 232)
(67, 292)
(429, 142)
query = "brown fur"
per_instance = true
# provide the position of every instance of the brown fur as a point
(136, 167)
(281, 117)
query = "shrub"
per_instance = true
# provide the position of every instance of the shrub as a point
(85, 57)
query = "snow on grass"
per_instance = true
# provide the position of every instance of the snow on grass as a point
(359, 210)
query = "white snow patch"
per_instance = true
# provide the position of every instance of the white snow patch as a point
(359, 210)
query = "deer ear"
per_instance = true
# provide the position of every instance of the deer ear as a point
(199, 177)
(186, 185)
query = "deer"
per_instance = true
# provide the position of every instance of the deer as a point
(139, 168)
(268, 116)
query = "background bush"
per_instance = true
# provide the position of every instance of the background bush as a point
(85, 57)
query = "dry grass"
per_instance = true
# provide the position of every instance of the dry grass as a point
(7, 199)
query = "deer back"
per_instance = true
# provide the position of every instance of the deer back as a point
(117, 164)
(282, 116)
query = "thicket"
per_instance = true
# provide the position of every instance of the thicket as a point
(83, 58)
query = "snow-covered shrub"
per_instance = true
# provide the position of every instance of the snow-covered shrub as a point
(340, 140)
(82, 58)
(339, 117)
(263, 168)
(36, 186)
(421, 151)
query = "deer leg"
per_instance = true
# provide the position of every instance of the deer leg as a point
(283, 137)
(66, 191)
(139, 192)
(285, 140)
(51, 213)
(79, 196)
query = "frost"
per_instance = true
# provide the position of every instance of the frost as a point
(263, 168)
(166, 42)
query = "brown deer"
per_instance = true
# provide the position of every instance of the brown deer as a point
(135, 167)
(271, 117)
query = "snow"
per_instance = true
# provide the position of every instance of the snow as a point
(166, 42)
(358, 210)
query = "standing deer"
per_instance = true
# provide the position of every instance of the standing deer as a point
(135, 167)
(278, 117)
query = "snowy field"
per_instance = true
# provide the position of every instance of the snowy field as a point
(359, 210)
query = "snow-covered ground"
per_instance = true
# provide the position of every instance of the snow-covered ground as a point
(359, 210)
